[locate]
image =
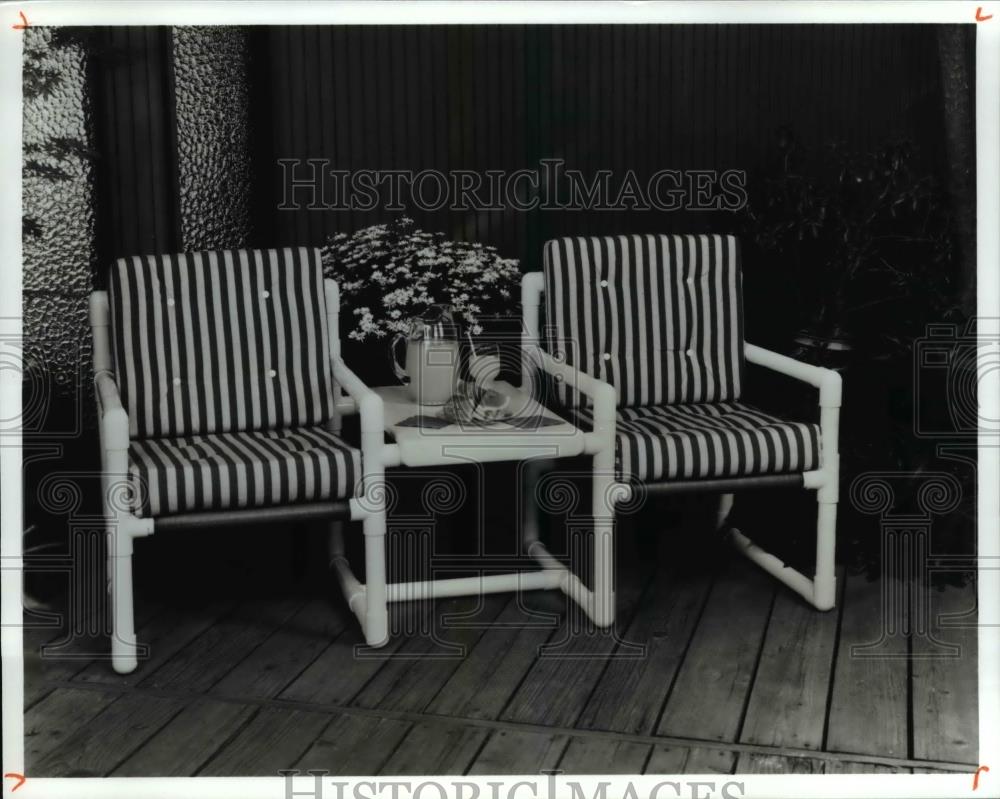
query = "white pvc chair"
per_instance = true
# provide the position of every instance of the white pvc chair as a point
(659, 319)
(218, 380)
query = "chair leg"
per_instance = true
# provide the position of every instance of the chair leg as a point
(724, 509)
(821, 590)
(603, 514)
(124, 645)
(376, 604)
(530, 512)
(825, 580)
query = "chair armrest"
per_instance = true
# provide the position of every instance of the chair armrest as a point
(601, 439)
(369, 403)
(827, 381)
(113, 417)
(603, 394)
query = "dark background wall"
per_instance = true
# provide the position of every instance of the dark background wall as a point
(602, 97)
(618, 97)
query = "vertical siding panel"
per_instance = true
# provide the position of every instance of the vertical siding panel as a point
(134, 134)
(513, 238)
(491, 119)
(619, 97)
(325, 108)
(339, 131)
(554, 143)
(362, 116)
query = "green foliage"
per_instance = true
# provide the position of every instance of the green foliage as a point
(864, 240)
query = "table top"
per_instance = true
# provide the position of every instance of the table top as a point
(426, 439)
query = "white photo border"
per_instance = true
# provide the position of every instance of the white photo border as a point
(550, 12)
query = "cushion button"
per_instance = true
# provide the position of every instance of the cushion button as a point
(607, 356)
(177, 381)
(266, 294)
(170, 301)
(604, 283)
(273, 373)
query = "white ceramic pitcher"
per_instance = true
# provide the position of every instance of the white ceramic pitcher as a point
(432, 353)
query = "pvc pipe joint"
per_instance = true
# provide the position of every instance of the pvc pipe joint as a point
(830, 389)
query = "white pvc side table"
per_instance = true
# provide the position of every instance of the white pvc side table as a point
(455, 444)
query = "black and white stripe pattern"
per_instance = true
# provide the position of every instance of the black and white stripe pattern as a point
(726, 439)
(240, 470)
(658, 317)
(220, 341)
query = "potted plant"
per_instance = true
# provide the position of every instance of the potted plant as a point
(863, 240)
(391, 273)
(857, 252)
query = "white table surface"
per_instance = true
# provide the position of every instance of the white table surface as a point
(464, 443)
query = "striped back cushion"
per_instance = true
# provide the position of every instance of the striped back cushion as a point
(659, 317)
(220, 341)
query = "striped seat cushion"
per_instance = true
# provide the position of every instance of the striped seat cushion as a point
(212, 342)
(659, 317)
(240, 470)
(707, 440)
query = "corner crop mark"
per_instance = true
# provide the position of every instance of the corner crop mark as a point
(975, 778)
(21, 779)
(20, 27)
(979, 15)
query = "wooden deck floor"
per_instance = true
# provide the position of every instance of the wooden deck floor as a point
(722, 671)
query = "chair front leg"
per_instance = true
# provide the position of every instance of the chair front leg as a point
(605, 487)
(371, 507)
(123, 527)
(603, 515)
(124, 645)
(376, 602)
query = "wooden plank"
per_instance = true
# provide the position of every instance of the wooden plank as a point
(431, 748)
(593, 755)
(517, 752)
(868, 704)
(343, 668)
(41, 671)
(424, 663)
(484, 682)
(187, 741)
(630, 693)
(855, 767)
(166, 633)
(110, 737)
(222, 647)
(56, 717)
(354, 744)
(710, 692)
(753, 763)
(923, 770)
(690, 760)
(788, 699)
(283, 656)
(48, 659)
(275, 738)
(946, 689)
(557, 687)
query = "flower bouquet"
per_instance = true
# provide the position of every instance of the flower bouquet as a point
(390, 273)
